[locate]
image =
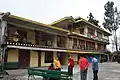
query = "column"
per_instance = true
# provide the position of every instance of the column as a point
(95, 32)
(85, 31)
(55, 41)
(96, 46)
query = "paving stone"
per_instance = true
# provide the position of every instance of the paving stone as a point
(107, 71)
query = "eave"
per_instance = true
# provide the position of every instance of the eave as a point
(81, 20)
(97, 27)
(15, 20)
(63, 19)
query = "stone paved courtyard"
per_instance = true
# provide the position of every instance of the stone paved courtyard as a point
(108, 71)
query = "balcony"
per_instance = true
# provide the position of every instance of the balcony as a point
(106, 40)
(25, 43)
(83, 48)
(98, 38)
(87, 48)
(61, 46)
(102, 50)
(91, 36)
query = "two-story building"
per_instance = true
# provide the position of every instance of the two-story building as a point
(83, 37)
(34, 44)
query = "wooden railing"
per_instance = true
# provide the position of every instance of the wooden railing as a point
(98, 38)
(82, 47)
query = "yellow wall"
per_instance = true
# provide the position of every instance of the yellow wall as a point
(33, 59)
(31, 36)
(69, 43)
(65, 59)
(12, 56)
(54, 54)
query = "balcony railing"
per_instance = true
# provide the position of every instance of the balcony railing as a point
(61, 46)
(83, 48)
(27, 44)
(102, 50)
(98, 38)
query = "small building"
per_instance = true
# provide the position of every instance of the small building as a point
(34, 44)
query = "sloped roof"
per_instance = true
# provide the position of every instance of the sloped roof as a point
(38, 23)
(76, 21)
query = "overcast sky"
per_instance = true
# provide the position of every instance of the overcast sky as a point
(47, 11)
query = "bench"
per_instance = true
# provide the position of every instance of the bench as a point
(48, 74)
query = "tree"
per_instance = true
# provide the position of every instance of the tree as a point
(3, 46)
(92, 20)
(112, 20)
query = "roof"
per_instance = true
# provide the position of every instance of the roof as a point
(93, 25)
(76, 21)
(38, 23)
(62, 19)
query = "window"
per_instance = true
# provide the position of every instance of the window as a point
(82, 31)
(70, 39)
(75, 42)
(69, 27)
(61, 41)
(99, 34)
(90, 45)
(91, 31)
(48, 57)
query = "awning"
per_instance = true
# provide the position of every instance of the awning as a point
(34, 48)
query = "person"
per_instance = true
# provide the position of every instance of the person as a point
(95, 68)
(83, 63)
(51, 67)
(70, 65)
(57, 64)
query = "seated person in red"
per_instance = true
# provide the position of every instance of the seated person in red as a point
(51, 67)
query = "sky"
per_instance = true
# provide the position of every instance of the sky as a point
(48, 11)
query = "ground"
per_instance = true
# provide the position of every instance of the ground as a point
(107, 71)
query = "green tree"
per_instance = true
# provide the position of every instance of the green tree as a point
(92, 20)
(112, 20)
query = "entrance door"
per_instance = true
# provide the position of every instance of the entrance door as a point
(24, 58)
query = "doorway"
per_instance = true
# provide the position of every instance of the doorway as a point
(24, 58)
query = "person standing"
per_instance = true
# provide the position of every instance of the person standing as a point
(95, 68)
(83, 63)
(57, 64)
(70, 65)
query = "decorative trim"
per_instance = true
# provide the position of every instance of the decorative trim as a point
(34, 48)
